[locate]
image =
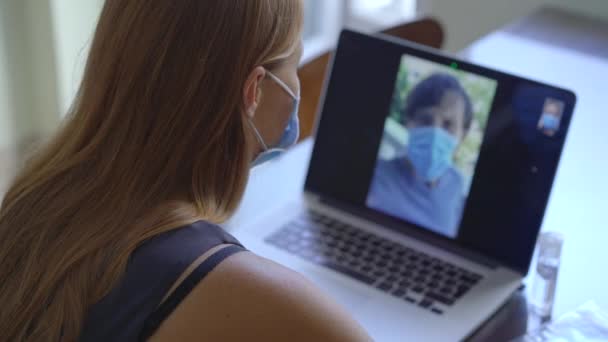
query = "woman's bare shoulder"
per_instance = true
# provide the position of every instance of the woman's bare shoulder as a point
(248, 297)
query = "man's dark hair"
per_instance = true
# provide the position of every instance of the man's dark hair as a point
(430, 91)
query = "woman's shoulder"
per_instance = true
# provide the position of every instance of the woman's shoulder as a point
(153, 268)
(250, 297)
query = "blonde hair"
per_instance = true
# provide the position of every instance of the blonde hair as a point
(154, 140)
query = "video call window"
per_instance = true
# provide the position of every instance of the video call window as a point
(431, 143)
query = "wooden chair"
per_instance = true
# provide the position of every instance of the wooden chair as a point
(425, 31)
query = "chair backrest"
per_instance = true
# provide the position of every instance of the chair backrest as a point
(425, 31)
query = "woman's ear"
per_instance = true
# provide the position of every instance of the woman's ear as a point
(252, 91)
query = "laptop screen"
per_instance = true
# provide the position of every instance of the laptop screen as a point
(427, 144)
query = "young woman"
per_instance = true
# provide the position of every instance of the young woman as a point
(109, 232)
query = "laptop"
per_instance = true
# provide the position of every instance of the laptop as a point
(426, 188)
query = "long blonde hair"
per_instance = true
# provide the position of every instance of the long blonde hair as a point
(154, 140)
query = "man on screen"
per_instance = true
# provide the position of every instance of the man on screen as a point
(421, 184)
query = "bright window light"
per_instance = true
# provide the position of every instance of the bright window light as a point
(371, 5)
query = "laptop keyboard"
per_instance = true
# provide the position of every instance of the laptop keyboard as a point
(413, 276)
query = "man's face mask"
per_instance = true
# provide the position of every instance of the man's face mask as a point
(290, 135)
(430, 150)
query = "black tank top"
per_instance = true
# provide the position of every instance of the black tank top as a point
(131, 311)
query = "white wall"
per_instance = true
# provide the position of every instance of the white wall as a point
(74, 23)
(43, 47)
(14, 72)
(7, 105)
(466, 20)
(44, 111)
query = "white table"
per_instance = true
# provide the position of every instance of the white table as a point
(579, 203)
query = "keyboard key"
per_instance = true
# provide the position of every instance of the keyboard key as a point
(410, 299)
(437, 311)
(362, 245)
(399, 292)
(385, 286)
(379, 273)
(425, 303)
(445, 290)
(440, 298)
(418, 289)
(460, 291)
(354, 263)
(469, 279)
(405, 283)
(407, 274)
(386, 256)
(462, 288)
(458, 295)
(351, 273)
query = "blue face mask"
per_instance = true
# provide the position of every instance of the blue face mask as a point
(290, 135)
(430, 150)
(550, 122)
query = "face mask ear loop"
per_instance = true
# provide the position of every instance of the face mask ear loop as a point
(257, 134)
(283, 85)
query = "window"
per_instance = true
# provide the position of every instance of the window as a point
(324, 20)
(375, 15)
